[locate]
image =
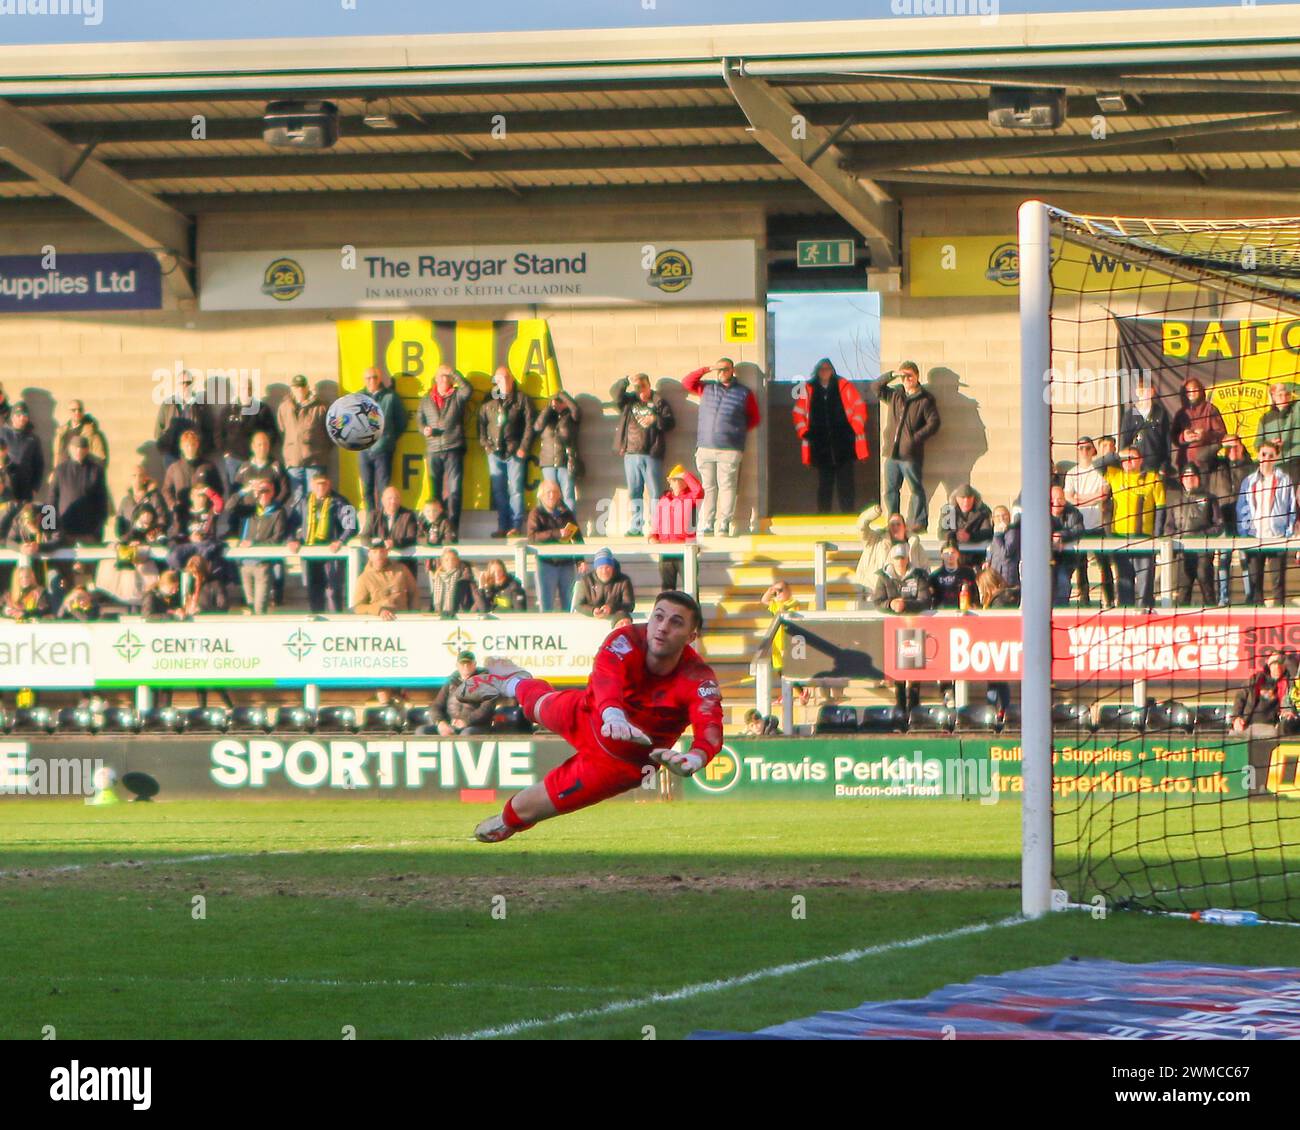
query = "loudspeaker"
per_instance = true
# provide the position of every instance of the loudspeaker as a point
(1019, 107)
(300, 125)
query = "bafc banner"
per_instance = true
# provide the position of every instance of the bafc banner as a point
(410, 351)
(1119, 646)
(1236, 361)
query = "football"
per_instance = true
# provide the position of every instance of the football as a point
(354, 421)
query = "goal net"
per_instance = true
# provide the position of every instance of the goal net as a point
(1161, 358)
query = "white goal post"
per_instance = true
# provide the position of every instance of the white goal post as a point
(1036, 558)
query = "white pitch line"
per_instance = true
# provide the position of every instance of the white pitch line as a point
(722, 985)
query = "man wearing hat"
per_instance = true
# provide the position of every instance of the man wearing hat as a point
(179, 414)
(449, 714)
(1194, 513)
(900, 586)
(307, 445)
(80, 423)
(25, 454)
(604, 590)
(80, 494)
(384, 587)
(1233, 468)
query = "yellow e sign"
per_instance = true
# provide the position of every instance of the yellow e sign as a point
(738, 327)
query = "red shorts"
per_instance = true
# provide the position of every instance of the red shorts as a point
(590, 775)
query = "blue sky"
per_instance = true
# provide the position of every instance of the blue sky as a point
(104, 21)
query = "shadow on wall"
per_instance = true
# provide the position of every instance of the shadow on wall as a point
(962, 440)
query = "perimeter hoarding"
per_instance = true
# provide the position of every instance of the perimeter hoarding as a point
(288, 651)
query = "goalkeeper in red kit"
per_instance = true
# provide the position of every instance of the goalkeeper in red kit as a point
(647, 685)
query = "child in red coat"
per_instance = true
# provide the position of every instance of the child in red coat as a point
(674, 519)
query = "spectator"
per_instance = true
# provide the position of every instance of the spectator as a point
(80, 495)
(306, 442)
(952, 579)
(25, 454)
(673, 520)
(449, 715)
(645, 419)
(237, 426)
(551, 522)
(325, 518)
(376, 462)
(779, 600)
(26, 598)
(8, 499)
(260, 523)
(1260, 701)
(451, 585)
(32, 534)
(993, 592)
(442, 423)
(433, 524)
(79, 423)
(557, 424)
(262, 465)
(877, 544)
(1266, 509)
(605, 591)
(971, 523)
(1197, 428)
(1067, 528)
(1281, 424)
(728, 413)
(1289, 713)
(81, 601)
(194, 529)
(505, 426)
(830, 420)
(901, 586)
(143, 492)
(179, 414)
(1145, 425)
(1137, 513)
(1194, 513)
(1225, 484)
(757, 726)
(6, 408)
(162, 599)
(1086, 487)
(384, 587)
(499, 590)
(207, 594)
(187, 472)
(914, 421)
(132, 568)
(392, 523)
(1004, 550)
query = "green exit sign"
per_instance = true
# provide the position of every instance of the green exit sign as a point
(826, 253)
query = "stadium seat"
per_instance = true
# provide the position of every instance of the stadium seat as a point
(417, 716)
(6, 720)
(122, 720)
(1170, 717)
(387, 719)
(337, 718)
(164, 720)
(294, 720)
(882, 720)
(835, 718)
(251, 718)
(33, 720)
(510, 720)
(935, 717)
(1213, 719)
(79, 720)
(978, 717)
(1113, 718)
(208, 720)
(1069, 716)
(1010, 720)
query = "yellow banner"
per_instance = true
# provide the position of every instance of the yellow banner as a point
(411, 351)
(971, 266)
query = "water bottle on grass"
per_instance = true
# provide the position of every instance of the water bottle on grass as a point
(1226, 917)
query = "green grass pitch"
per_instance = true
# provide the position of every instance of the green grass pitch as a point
(322, 917)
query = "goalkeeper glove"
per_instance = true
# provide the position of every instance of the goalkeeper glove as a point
(683, 764)
(619, 729)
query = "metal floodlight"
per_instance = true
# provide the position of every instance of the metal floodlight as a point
(1112, 103)
(378, 115)
(1022, 107)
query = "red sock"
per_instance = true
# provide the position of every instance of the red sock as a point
(511, 817)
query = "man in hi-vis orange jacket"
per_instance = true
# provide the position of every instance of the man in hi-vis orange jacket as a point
(830, 418)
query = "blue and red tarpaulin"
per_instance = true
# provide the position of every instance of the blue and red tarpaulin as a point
(1077, 999)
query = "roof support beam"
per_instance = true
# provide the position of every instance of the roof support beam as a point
(773, 119)
(72, 173)
(1247, 186)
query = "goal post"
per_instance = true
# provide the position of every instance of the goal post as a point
(1035, 557)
